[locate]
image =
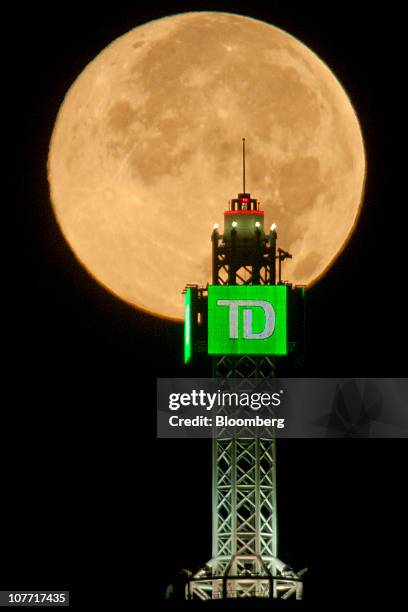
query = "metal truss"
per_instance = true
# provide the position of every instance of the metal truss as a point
(243, 366)
(234, 264)
(244, 561)
(244, 502)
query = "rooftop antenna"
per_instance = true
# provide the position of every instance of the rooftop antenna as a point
(243, 163)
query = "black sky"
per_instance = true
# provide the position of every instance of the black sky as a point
(84, 480)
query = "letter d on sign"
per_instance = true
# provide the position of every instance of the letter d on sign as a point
(269, 321)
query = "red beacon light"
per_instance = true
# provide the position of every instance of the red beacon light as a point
(244, 205)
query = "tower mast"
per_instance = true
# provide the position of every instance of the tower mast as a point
(243, 165)
(245, 560)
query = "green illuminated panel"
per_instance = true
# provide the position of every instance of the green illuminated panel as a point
(187, 326)
(247, 320)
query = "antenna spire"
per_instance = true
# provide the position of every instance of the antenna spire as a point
(243, 163)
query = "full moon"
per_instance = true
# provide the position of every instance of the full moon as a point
(146, 152)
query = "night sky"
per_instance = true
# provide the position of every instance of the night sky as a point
(90, 499)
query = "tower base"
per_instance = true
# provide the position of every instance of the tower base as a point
(207, 584)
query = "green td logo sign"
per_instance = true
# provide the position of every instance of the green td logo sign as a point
(247, 319)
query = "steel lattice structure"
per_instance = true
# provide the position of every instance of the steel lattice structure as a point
(244, 559)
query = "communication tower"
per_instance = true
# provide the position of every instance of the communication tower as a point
(244, 560)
